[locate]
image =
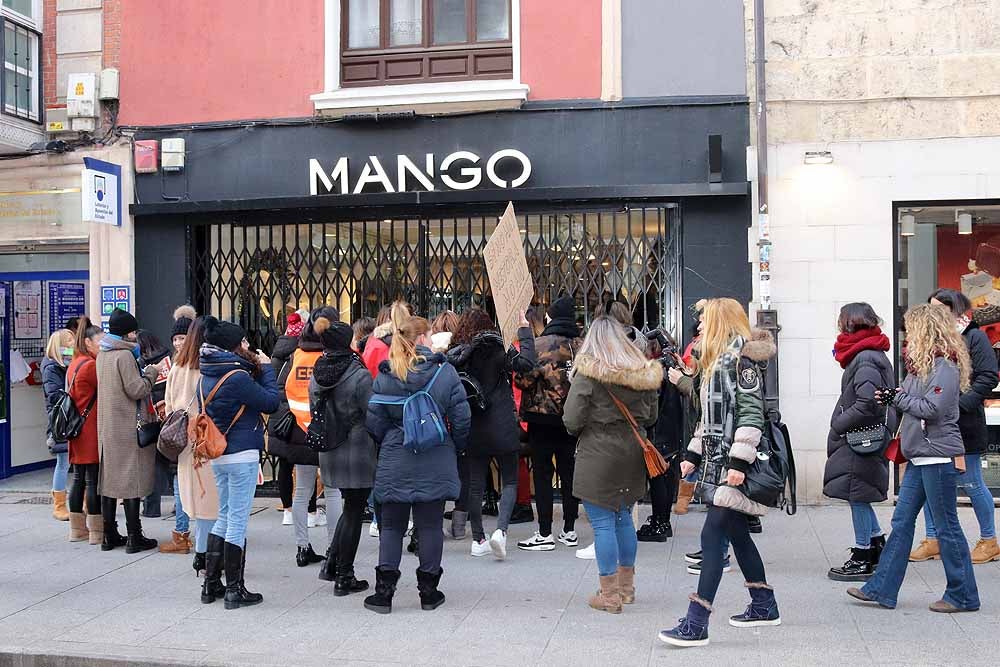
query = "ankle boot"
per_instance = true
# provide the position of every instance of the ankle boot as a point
(136, 540)
(112, 538)
(59, 511)
(928, 549)
(78, 527)
(95, 529)
(656, 529)
(328, 570)
(179, 544)
(877, 544)
(347, 583)
(859, 567)
(692, 630)
(385, 588)
(306, 556)
(762, 610)
(626, 584)
(237, 594)
(458, 522)
(685, 493)
(608, 598)
(212, 588)
(427, 584)
(414, 546)
(198, 564)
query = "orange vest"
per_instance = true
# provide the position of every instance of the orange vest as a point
(297, 386)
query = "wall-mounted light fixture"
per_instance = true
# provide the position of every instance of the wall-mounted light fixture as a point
(818, 157)
(908, 225)
(964, 221)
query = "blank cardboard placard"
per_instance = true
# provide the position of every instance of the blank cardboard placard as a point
(510, 280)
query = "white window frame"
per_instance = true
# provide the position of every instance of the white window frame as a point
(35, 22)
(503, 92)
(33, 112)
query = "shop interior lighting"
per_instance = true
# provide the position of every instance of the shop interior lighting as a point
(908, 225)
(964, 221)
(819, 157)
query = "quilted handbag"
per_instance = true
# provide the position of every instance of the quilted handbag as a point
(869, 440)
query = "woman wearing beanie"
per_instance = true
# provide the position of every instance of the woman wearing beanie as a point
(244, 390)
(544, 390)
(339, 390)
(58, 355)
(123, 398)
(152, 351)
(406, 480)
(860, 480)
(290, 446)
(194, 488)
(81, 383)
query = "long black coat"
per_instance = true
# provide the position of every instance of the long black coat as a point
(861, 479)
(347, 386)
(972, 415)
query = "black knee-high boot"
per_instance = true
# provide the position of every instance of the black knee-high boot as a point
(237, 594)
(212, 588)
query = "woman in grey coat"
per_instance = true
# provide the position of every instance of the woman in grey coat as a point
(127, 471)
(339, 390)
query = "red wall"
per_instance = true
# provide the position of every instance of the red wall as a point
(561, 48)
(193, 61)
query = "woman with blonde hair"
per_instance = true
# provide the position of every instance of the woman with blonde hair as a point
(406, 480)
(612, 384)
(723, 447)
(938, 370)
(58, 355)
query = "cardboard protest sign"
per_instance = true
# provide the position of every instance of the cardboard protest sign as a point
(510, 280)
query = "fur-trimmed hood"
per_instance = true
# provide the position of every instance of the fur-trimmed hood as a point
(760, 347)
(382, 331)
(648, 377)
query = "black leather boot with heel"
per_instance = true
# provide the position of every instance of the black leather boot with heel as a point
(237, 594)
(212, 588)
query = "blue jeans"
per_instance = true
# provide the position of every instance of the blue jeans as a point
(865, 524)
(934, 485)
(202, 527)
(61, 472)
(182, 522)
(236, 483)
(971, 481)
(615, 542)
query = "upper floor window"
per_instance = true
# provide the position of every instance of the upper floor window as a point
(21, 90)
(413, 41)
(26, 8)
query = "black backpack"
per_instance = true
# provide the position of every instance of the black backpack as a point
(65, 421)
(770, 480)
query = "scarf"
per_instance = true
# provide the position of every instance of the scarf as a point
(849, 345)
(108, 344)
(562, 326)
(962, 322)
(330, 367)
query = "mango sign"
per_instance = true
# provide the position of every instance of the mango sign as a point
(510, 280)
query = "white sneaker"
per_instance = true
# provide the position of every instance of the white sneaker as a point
(569, 539)
(587, 553)
(321, 516)
(287, 520)
(373, 529)
(481, 548)
(537, 543)
(409, 529)
(498, 544)
(312, 520)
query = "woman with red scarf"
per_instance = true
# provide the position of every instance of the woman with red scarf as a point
(860, 480)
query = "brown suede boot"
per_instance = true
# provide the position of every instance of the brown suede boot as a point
(986, 550)
(95, 526)
(178, 545)
(59, 511)
(928, 549)
(608, 598)
(77, 527)
(626, 584)
(684, 495)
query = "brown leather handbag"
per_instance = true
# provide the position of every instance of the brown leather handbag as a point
(655, 463)
(207, 441)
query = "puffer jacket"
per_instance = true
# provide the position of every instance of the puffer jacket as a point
(545, 387)
(930, 413)
(972, 414)
(403, 476)
(259, 396)
(53, 382)
(377, 348)
(610, 469)
(346, 385)
(283, 350)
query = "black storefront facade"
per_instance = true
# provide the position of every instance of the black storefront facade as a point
(620, 200)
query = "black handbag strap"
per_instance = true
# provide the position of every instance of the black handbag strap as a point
(69, 391)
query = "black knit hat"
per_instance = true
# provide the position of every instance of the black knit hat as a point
(224, 335)
(335, 335)
(563, 308)
(121, 323)
(183, 318)
(329, 314)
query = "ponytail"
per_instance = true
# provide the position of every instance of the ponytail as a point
(398, 314)
(403, 355)
(85, 330)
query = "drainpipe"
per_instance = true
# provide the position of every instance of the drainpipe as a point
(767, 317)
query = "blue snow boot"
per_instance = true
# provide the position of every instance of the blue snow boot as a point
(692, 630)
(762, 610)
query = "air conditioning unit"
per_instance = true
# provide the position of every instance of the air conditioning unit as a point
(81, 96)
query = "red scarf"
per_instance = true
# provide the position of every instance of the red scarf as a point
(848, 345)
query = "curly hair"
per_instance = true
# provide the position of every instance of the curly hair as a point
(471, 323)
(931, 333)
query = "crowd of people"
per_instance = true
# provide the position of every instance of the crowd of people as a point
(391, 418)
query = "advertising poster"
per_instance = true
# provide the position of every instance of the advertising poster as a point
(510, 280)
(27, 296)
(66, 300)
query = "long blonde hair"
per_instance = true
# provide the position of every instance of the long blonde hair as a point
(607, 342)
(403, 355)
(60, 339)
(931, 333)
(723, 320)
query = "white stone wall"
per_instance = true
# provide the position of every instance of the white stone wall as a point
(833, 233)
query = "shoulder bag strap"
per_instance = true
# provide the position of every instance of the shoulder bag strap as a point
(206, 400)
(629, 418)
(430, 384)
(93, 399)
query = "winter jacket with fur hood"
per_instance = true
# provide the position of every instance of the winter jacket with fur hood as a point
(610, 471)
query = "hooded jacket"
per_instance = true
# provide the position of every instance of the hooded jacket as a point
(377, 348)
(610, 469)
(259, 396)
(346, 385)
(930, 413)
(972, 414)
(403, 476)
(545, 386)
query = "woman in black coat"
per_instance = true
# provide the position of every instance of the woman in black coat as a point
(486, 364)
(972, 424)
(860, 480)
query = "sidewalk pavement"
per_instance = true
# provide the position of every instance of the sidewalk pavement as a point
(71, 604)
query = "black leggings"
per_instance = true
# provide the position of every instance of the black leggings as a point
(428, 520)
(286, 488)
(348, 532)
(722, 523)
(85, 476)
(663, 490)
